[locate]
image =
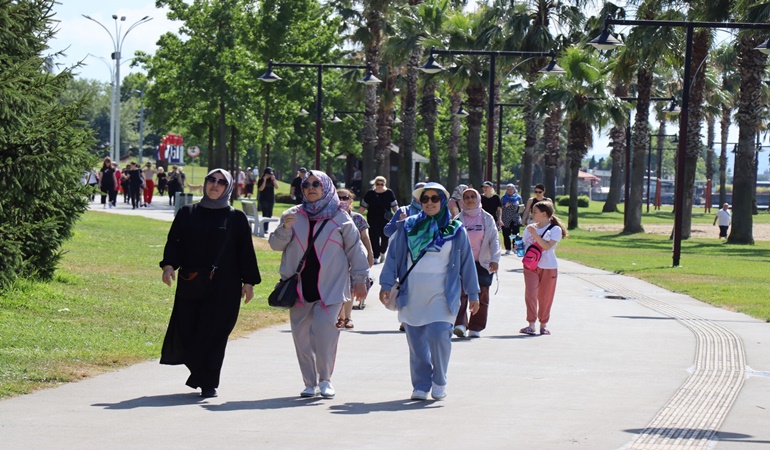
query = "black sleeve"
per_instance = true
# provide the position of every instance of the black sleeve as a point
(172, 253)
(247, 258)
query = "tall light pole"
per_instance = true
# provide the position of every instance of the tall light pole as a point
(432, 67)
(141, 124)
(117, 42)
(270, 77)
(606, 41)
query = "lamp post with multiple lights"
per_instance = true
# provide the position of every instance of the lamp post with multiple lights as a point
(432, 67)
(605, 41)
(117, 42)
(269, 77)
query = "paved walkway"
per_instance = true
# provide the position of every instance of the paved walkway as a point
(629, 365)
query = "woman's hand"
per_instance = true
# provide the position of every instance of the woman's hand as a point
(168, 275)
(473, 305)
(370, 259)
(248, 292)
(289, 220)
(359, 291)
(384, 297)
(493, 267)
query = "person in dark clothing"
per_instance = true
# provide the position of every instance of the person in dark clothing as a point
(380, 204)
(267, 186)
(490, 202)
(108, 183)
(296, 186)
(206, 238)
(174, 184)
(135, 185)
(162, 181)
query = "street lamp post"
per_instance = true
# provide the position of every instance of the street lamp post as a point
(117, 42)
(432, 67)
(270, 77)
(500, 138)
(141, 123)
(605, 41)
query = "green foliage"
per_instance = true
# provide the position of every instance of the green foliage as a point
(563, 200)
(42, 148)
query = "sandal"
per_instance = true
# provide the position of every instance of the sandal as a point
(528, 330)
(545, 332)
(340, 323)
(348, 323)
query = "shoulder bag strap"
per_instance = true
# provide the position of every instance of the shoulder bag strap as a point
(402, 279)
(309, 246)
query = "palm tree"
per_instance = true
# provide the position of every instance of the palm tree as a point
(586, 101)
(724, 59)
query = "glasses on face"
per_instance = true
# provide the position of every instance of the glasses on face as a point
(538, 192)
(469, 197)
(307, 184)
(214, 180)
(344, 198)
(379, 184)
(430, 198)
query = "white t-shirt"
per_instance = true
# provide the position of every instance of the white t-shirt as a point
(723, 218)
(548, 258)
(426, 287)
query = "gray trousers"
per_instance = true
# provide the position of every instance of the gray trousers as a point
(315, 333)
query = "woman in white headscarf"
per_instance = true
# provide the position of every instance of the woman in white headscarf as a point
(323, 282)
(207, 240)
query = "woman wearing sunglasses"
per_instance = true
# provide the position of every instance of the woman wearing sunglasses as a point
(527, 218)
(337, 250)
(485, 242)
(347, 197)
(207, 239)
(380, 205)
(428, 299)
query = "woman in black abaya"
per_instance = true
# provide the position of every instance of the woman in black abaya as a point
(207, 237)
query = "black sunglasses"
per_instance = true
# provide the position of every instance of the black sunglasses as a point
(307, 184)
(431, 198)
(220, 181)
(538, 192)
(344, 198)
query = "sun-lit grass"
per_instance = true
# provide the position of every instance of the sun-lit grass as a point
(106, 307)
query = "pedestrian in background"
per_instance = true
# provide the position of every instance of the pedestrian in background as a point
(540, 284)
(296, 186)
(149, 183)
(207, 239)
(511, 218)
(724, 218)
(162, 181)
(429, 298)
(267, 186)
(324, 283)
(485, 243)
(539, 197)
(380, 204)
(491, 203)
(108, 183)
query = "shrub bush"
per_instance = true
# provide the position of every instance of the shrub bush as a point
(563, 200)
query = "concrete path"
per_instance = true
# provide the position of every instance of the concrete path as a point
(629, 365)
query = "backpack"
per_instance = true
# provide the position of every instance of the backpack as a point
(534, 252)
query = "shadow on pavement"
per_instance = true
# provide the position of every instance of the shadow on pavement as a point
(268, 403)
(393, 405)
(157, 401)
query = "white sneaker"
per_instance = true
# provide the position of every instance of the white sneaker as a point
(310, 392)
(327, 390)
(382, 259)
(438, 392)
(419, 395)
(460, 331)
(105, 206)
(507, 252)
(474, 334)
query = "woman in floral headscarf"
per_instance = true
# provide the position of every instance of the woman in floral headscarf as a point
(336, 250)
(429, 298)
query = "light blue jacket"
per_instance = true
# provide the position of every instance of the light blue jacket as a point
(462, 269)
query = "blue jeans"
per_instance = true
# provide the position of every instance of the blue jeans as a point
(429, 349)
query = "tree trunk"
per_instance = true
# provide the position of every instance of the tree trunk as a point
(617, 174)
(551, 134)
(385, 130)
(700, 46)
(532, 127)
(371, 99)
(723, 130)
(577, 136)
(639, 140)
(408, 127)
(221, 157)
(475, 106)
(211, 153)
(428, 111)
(453, 148)
(751, 67)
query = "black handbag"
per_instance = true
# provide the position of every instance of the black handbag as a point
(197, 283)
(285, 295)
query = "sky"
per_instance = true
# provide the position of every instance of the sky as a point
(78, 37)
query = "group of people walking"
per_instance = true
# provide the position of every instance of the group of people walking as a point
(137, 183)
(438, 266)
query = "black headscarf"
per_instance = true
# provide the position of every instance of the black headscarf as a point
(224, 200)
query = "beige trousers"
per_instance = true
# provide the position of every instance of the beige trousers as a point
(313, 327)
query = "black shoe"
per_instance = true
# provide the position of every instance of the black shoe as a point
(208, 393)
